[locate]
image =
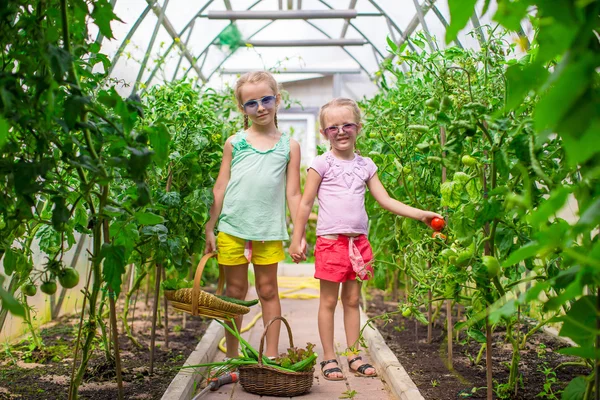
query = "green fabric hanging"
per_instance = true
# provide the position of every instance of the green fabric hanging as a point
(231, 37)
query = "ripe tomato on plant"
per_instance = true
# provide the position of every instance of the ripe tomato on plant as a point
(438, 235)
(438, 224)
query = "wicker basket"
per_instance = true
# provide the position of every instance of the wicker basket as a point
(267, 381)
(198, 302)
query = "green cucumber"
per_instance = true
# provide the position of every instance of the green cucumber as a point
(248, 303)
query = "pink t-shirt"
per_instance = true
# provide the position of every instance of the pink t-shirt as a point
(342, 193)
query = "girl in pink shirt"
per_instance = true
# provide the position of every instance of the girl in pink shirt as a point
(339, 179)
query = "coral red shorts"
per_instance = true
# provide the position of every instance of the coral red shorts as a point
(332, 260)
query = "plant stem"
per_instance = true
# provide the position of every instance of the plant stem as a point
(124, 314)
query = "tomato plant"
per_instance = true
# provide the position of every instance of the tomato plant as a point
(499, 179)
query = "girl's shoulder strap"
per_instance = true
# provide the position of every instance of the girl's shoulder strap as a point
(239, 141)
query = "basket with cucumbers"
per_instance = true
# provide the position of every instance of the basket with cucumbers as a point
(290, 374)
(187, 296)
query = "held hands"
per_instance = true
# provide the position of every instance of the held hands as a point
(298, 251)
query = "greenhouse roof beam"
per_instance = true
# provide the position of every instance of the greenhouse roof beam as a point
(233, 52)
(356, 29)
(477, 26)
(161, 15)
(286, 14)
(391, 21)
(445, 23)
(127, 38)
(421, 17)
(412, 26)
(306, 43)
(187, 41)
(320, 71)
(343, 48)
(347, 21)
(171, 31)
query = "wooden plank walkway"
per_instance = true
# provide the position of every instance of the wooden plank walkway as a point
(302, 316)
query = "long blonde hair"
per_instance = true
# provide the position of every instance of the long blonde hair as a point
(255, 77)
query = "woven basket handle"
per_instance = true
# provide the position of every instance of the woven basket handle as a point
(198, 278)
(264, 335)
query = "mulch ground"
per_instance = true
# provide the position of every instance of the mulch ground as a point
(425, 362)
(46, 375)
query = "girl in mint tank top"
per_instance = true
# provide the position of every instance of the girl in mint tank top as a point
(260, 173)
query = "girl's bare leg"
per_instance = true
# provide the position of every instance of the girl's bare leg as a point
(327, 303)
(268, 294)
(236, 281)
(350, 302)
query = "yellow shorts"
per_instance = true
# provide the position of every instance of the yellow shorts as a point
(231, 251)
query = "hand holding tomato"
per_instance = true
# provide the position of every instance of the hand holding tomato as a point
(428, 217)
(438, 224)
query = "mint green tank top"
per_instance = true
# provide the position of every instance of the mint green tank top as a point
(254, 203)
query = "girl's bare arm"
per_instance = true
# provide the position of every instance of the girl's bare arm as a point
(218, 196)
(292, 189)
(313, 180)
(383, 198)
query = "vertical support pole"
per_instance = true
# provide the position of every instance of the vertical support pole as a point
(337, 85)
(154, 314)
(429, 313)
(113, 322)
(166, 305)
(450, 327)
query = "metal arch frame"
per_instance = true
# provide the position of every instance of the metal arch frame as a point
(228, 56)
(139, 21)
(159, 22)
(192, 20)
(185, 49)
(349, 23)
(272, 21)
(426, 6)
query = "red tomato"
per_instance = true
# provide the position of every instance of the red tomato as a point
(438, 235)
(438, 224)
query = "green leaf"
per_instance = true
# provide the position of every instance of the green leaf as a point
(393, 46)
(579, 322)
(9, 302)
(527, 251)
(580, 148)
(60, 214)
(521, 80)
(451, 194)
(11, 258)
(477, 335)
(103, 15)
(575, 390)
(113, 266)
(3, 132)
(125, 235)
(590, 217)
(510, 13)
(550, 207)
(159, 139)
(583, 352)
(569, 81)
(148, 218)
(507, 310)
(460, 12)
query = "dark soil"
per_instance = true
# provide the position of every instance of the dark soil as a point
(426, 363)
(46, 375)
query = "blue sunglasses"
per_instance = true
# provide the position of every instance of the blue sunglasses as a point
(251, 106)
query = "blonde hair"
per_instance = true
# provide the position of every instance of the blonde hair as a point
(339, 102)
(255, 77)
